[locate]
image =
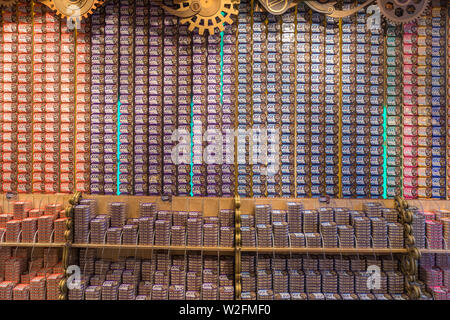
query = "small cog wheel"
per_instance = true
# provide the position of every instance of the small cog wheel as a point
(211, 14)
(7, 3)
(402, 11)
(73, 9)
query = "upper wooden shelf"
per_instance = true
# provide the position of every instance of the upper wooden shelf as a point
(151, 247)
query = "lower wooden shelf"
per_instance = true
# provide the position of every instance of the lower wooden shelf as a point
(347, 251)
(441, 251)
(31, 245)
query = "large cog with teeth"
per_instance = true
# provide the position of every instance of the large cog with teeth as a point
(205, 14)
(7, 3)
(402, 11)
(73, 9)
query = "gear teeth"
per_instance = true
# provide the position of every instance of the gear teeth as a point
(217, 20)
(7, 4)
(227, 20)
(64, 5)
(425, 6)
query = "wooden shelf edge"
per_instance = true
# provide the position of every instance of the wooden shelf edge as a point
(325, 250)
(442, 251)
(30, 245)
(151, 247)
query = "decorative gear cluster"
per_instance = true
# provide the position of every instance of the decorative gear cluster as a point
(7, 3)
(402, 11)
(73, 9)
(205, 14)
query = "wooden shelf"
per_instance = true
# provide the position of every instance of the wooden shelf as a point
(442, 251)
(151, 247)
(31, 245)
(384, 251)
(347, 251)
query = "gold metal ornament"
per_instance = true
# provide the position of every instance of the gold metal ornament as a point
(7, 3)
(204, 14)
(277, 7)
(328, 8)
(73, 9)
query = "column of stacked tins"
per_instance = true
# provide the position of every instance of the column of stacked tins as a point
(244, 89)
(49, 98)
(320, 169)
(156, 82)
(104, 98)
(349, 104)
(67, 116)
(199, 120)
(141, 93)
(363, 124)
(288, 102)
(126, 107)
(97, 102)
(260, 67)
(447, 83)
(82, 106)
(214, 115)
(2, 60)
(375, 86)
(111, 136)
(438, 100)
(424, 119)
(197, 111)
(229, 102)
(393, 111)
(170, 93)
(24, 97)
(302, 97)
(279, 153)
(9, 103)
(410, 128)
(329, 109)
(185, 68)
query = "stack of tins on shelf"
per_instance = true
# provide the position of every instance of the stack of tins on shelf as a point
(349, 105)
(287, 47)
(393, 111)
(83, 72)
(214, 116)
(244, 85)
(184, 94)
(410, 111)
(438, 101)
(126, 108)
(156, 81)
(9, 99)
(169, 103)
(228, 104)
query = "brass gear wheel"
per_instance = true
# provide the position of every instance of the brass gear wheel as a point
(402, 11)
(211, 14)
(7, 3)
(73, 9)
